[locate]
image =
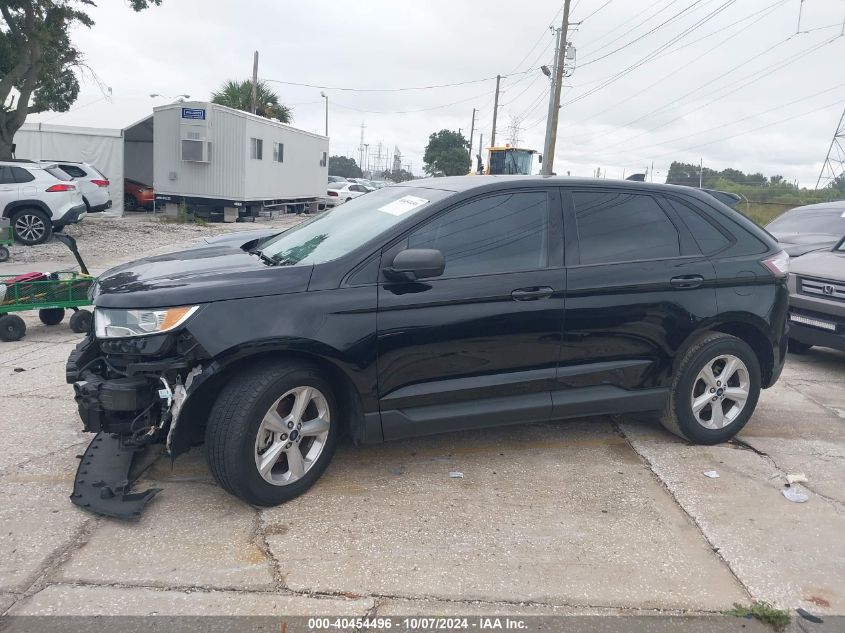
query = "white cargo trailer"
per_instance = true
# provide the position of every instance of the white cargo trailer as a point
(227, 164)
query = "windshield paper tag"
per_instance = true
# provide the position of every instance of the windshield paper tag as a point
(403, 205)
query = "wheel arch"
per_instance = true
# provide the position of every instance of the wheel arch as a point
(749, 329)
(190, 428)
(19, 205)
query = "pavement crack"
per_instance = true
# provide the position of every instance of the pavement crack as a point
(716, 550)
(260, 538)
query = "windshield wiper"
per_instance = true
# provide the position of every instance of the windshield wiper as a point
(267, 260)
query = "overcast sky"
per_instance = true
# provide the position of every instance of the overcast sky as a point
(702, 85)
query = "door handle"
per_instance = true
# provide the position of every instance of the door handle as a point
(686, 281)
(532, 294)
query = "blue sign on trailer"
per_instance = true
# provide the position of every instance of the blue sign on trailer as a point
(193, 113)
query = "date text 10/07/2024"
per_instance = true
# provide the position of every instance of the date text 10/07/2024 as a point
(415, 623)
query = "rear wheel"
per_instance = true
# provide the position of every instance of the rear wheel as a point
(31, 226)
(272, 432)
(12, 328)
(4, 254)
(129, 202)
(797, 347)
(51, 316)
(80, 321)
(715, 390)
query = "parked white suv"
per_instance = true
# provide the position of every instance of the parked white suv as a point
(38, 198)
(91, 182)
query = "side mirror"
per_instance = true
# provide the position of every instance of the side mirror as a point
(540, 158)
(415, 263)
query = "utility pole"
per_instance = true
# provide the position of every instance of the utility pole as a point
(496, 107)
(547, 146)
(361, 148)
(700, 172)
(480, 143)
(254, 108)
(549, 158)
(471, 133)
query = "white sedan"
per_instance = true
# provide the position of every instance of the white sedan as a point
(340, 192)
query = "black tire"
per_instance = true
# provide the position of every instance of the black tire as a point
(678, 416)
(12, 328)
(80, 321)
(129, 202)
(51, 316)
(31, 226)
(797, 347)
(234, 424)
(4, 254)
(348, 199)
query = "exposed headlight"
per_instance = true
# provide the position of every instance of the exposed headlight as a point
(112, 323)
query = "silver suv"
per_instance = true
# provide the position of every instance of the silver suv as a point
(90, 180)
(38, 199)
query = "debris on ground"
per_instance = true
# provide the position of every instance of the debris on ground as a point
(796, 478)
(795, 495)
(456, 474)
(809, 616)
(712, 474)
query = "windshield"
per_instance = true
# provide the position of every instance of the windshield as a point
(341, 230)
(830, 221)
(512, 161)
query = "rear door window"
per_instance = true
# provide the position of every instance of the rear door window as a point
(6, 177)
(709, 238)
(22, 175)
(620, 226)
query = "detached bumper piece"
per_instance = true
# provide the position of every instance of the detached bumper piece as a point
(105, 475)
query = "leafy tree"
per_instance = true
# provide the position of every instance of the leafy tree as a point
(238, 95)
(345, 167)
(447, 154)
(38, 60)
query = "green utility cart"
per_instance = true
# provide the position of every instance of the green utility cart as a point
(51, 294)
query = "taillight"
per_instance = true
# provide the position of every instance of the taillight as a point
(61, 187)
(778, 264)
(333, 193)
(100, 183)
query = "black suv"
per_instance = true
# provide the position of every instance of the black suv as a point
(435, 305)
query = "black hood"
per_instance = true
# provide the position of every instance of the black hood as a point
(198, 275)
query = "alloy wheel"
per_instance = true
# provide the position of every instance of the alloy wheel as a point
(720, 392)
(30, 227)
(292, 435)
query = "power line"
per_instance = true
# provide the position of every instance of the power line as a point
(663, 77)
(643, 36)
(584, 19)
(649, 56)
(630, 30)
(437, 107)
(740, 84)
(432, 87)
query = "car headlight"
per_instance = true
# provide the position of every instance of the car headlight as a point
(115, 323)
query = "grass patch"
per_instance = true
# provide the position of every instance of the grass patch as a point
(764, 612)
(183, 217)
(763, 212)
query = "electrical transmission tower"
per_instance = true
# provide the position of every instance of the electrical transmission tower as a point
(514, 129)
(834, 164)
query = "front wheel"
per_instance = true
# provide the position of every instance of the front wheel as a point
(80, 321)
(4, 254)
(12, 328)
(272, 432)
(715, 390)
(51, 316)
(31, 226)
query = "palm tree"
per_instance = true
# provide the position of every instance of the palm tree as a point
(238, 95)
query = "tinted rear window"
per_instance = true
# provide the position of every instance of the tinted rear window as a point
(73, 171)
(57, 173)
(621, 226)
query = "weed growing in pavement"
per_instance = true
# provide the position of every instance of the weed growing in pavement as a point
(764, 612)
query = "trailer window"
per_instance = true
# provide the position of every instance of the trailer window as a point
(278, 152)
(256, 148)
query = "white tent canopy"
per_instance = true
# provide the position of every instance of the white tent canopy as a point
(117, 153)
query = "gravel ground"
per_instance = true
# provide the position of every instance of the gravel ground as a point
(109, 239)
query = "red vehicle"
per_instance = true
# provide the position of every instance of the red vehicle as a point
(137, 195)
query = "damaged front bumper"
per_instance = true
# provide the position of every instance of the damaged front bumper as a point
(131, 393)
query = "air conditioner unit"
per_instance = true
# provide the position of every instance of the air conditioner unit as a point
(195, 145)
